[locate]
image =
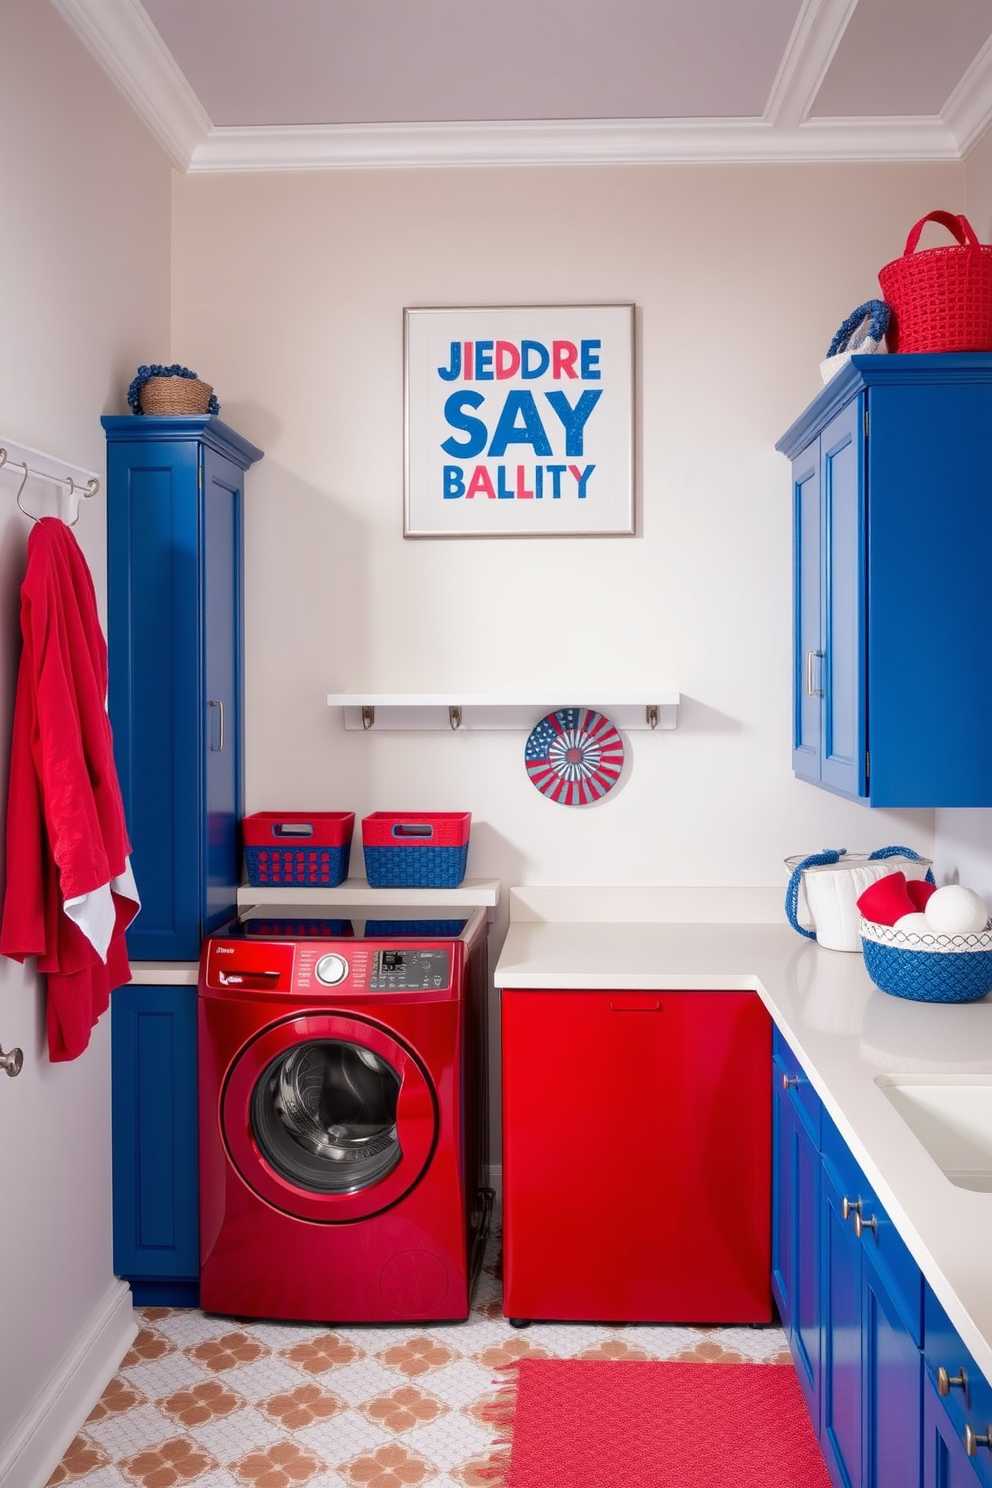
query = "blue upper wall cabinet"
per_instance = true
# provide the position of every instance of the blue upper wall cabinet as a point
(892, 542)
(175, 499)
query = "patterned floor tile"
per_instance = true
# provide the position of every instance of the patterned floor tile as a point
(450, 1442)
(364, 1380)
(235, 1403)
(346, 1436)
(461, 1382)
(120, 1435)
(233, 1435)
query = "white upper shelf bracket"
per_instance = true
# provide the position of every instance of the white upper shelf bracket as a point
(465, 712)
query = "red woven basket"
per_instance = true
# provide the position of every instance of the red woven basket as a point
(941, 298)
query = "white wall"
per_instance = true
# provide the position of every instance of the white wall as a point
(288, 293)
(84, 296)
(963, 841)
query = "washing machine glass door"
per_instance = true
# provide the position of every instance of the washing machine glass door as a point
(329, 1117)
(324, 1115)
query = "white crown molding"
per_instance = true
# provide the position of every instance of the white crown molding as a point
(570, 142)
(814, 40)
(968, 111)
(123, 40)
(127, 46)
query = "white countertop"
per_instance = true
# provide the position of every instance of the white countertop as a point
(844, 1031)
(164, 973)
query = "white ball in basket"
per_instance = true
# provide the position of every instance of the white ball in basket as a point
(914, 924)
(955, 910)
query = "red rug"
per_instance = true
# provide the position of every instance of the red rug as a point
(627, 1423)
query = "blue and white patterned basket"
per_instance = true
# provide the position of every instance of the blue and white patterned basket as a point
(928, 968)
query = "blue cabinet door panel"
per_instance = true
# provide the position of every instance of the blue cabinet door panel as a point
(154, 1131)
(807, 1299)
(153, 644)
(946, 1464)
(175, 625)
(807, 655)
(893, 1388)
(843, 1364)
(796, 1206)
(221, 735)
(843, 743)
(930, 470)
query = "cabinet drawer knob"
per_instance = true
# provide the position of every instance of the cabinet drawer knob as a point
(849, 1207)
(945, 1380)
(789, 1082)
(861, 1224)
(972, 1442)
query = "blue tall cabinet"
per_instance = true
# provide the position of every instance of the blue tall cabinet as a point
(175, 605)
(892, 525)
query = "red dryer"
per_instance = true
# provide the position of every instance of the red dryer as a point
(343, 1128)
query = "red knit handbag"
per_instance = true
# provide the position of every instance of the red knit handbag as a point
(941, 298)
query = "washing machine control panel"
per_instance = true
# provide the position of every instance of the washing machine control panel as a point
(409, 970)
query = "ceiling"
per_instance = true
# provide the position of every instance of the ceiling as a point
(230, 85)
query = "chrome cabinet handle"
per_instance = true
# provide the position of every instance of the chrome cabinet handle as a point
(12, 1061)
(220, 727)
(810, 689)
(973, 1442)
(849, 1207)
(945, 1380)
(789, 1082)
(860, 1224)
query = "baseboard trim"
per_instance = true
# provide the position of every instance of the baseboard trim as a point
(36, 1447)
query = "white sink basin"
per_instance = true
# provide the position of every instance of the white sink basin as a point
(952, 1118)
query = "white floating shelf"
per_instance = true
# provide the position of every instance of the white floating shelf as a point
(468, 711)
(355, 892)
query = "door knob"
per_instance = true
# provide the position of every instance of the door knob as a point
(12, 1062)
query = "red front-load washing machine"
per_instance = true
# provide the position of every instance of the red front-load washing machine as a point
(343, 1128)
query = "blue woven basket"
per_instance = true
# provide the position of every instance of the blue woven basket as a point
(931, 968)
(415, 867)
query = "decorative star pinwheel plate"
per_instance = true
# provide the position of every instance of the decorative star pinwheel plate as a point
(574, 756)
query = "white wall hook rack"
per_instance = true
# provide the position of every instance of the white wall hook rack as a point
(468, 712)
(24, 464)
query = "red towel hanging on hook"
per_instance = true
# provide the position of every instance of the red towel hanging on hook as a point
(70, 894)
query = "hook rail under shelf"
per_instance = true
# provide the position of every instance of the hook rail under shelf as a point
(467, 712)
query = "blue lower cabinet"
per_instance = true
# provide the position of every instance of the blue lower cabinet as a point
(946, 1463)
(155, 1148)
(893, 1378)
(796, 1205)
(873, 1331)
(957, 1407)
(843, 1405)
(850, 1296)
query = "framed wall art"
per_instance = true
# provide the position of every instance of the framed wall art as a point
(519, 421)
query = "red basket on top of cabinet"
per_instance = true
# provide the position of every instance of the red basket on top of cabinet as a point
(305, 849)
(418, 850)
